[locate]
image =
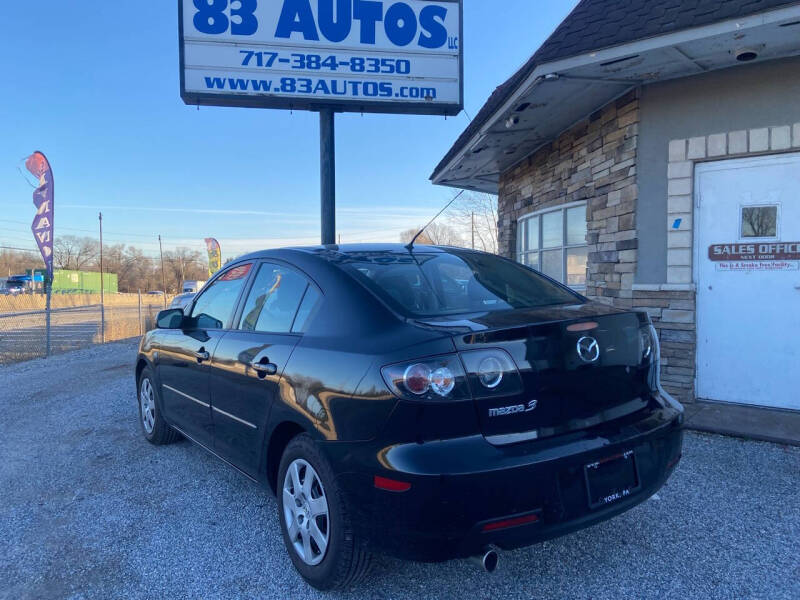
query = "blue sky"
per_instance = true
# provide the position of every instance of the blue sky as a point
(94, 85)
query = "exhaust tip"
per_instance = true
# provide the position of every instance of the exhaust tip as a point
(490, 561)
(487, 561)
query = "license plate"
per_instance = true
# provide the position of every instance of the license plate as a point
(611, 479)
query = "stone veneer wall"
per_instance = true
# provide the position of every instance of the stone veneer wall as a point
(595, 162)
(672, 308)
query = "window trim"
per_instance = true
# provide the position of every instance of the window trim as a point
(564, 247)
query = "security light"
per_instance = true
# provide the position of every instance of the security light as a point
(746, 54)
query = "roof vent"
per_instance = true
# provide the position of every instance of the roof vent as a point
(790, 24)
(512, 121)
(523, 106)
(746, 54)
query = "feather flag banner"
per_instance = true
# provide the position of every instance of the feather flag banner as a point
(214, 256)
(43, 197)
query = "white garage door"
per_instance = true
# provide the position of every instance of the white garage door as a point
(747, 260)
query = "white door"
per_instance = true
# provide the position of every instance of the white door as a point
(748, 309)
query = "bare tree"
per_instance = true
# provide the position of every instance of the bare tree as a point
(75, 253)
(134, 270)
(476, 214)
(183, 264)
(435, 234)
(408, 235)
(13, 262)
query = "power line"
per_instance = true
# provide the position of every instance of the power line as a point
(154, 237)
(145, 235)
(18, 249)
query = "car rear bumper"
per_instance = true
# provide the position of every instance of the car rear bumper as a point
(463, 490)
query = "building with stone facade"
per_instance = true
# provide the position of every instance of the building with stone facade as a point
(648, 155)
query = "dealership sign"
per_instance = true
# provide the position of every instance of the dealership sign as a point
(764, 251)
(390, 56)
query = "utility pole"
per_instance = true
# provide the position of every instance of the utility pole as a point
(473, 231)
(102, 288)
(163, 274)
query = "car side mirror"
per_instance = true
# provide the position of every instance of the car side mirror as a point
(172, 318)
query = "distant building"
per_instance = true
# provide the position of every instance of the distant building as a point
(83, 282)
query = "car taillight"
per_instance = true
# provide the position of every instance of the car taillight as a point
(417, 378)
(440, 378)
(491, 373)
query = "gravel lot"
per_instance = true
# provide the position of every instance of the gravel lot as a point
(88, 509)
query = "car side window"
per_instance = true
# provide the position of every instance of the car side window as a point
(273, 300)
(215, 306)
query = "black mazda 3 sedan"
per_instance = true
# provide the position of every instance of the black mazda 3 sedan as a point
(429, 403)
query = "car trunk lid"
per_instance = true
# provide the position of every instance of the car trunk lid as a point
(580, 365)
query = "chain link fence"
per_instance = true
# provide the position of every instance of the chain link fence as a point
(75, 322)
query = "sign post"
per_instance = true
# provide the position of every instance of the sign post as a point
(102, 287)
(327, 175)
(363, 56)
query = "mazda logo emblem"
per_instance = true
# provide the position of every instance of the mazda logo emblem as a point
(588, 349)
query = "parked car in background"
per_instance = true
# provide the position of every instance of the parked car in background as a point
(17, 284)
(192, 285)
(155, 293)
(429, 403)
(182, 300)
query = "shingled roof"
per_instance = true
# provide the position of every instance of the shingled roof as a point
(597, 24)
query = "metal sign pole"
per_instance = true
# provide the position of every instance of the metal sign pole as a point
(327, 164)
(48, 283)
(102, 288)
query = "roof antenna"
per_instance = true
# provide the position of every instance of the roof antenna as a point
(410, 245)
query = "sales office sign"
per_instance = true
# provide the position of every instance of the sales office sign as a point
(765, 256)
(390, 56)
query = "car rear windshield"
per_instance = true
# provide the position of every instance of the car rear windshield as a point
(458, 282)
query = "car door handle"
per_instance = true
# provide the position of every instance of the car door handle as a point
(264, 368)
(201, 355)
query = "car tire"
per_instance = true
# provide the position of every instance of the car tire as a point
(155, 429)
(346, 558)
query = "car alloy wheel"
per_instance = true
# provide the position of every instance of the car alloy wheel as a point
(148, 405)
(305, 511)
